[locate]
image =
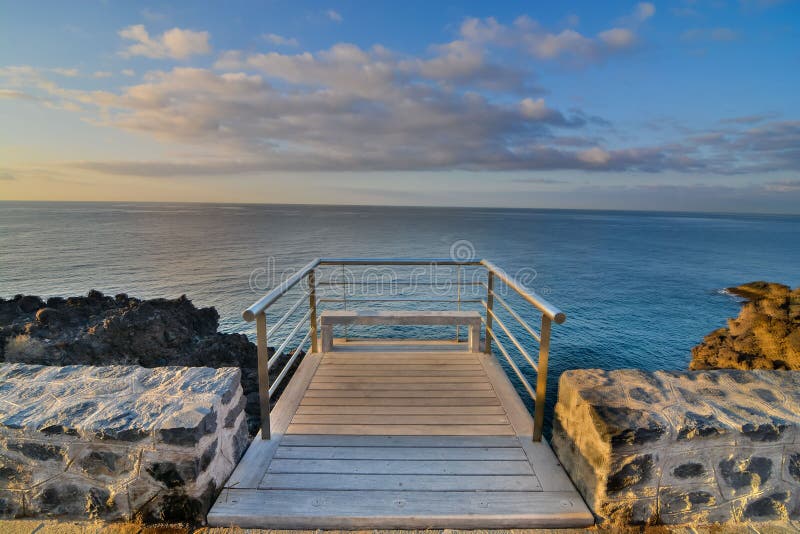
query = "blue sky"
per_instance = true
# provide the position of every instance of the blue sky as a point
(649, 105)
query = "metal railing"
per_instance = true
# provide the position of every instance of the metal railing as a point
(549, 314)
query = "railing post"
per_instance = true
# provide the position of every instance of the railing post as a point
(458, 306)
(312, 304)
(541, 379)
(263, 373)
(489, 308)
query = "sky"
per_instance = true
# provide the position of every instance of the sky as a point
(685, 105)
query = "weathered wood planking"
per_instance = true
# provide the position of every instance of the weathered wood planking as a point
(398, 410)
(400, 453)
(297, 509)
(409, 430)
(419, 439)
(438, 482)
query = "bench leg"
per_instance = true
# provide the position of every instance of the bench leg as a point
(327, 338)
(475, 338)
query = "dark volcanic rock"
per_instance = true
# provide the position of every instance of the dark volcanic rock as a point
(103, 330)
(766, 335)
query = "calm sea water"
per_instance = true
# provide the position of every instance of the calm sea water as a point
(639, 289)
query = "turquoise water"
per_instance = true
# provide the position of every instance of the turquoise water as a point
(639, 289)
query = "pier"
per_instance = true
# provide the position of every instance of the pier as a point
(402, 433)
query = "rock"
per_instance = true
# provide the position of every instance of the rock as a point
(765, 335)
(49, 316)
(29, 304)
(687, 447)
(103, 330)
(129, 442)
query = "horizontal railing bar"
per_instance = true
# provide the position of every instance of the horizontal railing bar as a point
(288, 339)
(286, 315)
(288, 365)
(395, 300)
(513, 365)
(513, 340)
(250, 313)
(396, 261)
(515, 315)
(397, 282)
(530, 296)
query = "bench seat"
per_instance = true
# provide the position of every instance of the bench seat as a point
(471, 319)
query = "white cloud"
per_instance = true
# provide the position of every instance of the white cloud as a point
(280, 40)
(533, 109)
(618, 38)
(128, 72)
(176, 43)
(102, 74)
(70, 73)
(644, 10)
(595, 156)
(334, 15)
(531, 37)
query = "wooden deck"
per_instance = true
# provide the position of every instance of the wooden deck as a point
(404, 436)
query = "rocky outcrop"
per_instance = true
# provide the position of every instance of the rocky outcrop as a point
(117, 442)
(765, 335)
(103, 330)
(681, 447)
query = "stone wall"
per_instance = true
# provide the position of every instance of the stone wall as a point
(117, 442)
(682, 447)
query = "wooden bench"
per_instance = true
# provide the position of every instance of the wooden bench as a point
(471, 319)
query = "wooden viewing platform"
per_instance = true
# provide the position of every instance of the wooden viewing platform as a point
(367, 437)
(401, 433)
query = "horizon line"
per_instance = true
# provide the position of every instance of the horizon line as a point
(424, 206)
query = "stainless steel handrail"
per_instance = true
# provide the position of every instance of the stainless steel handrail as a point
(545, 307)
(257, 313)
(250, 313)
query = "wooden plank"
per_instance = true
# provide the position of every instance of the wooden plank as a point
(300, 440)
(327, 409)
(392, 354)
(464, 387)
(400, 370)
(400, 467)
(551, 473)
(383, 379)
(256, 459)
(366, 419)
(342, 482)
(416, 317)
(410, 430)
(402, 453)
(400, 401)
(385, 393)
(404, 359)
(296, 509)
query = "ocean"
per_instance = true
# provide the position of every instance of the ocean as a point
(639, 289)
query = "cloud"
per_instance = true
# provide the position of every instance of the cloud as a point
(176, 43)
(128, 72)
(710, 34)
(6, 176)
(465, 104)
(12, 94)
(749, 119)
(279, 40)
(643, 11)
(102, 74)
(531, 37)
(334, 15)
(70, 73)
(783, 185)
